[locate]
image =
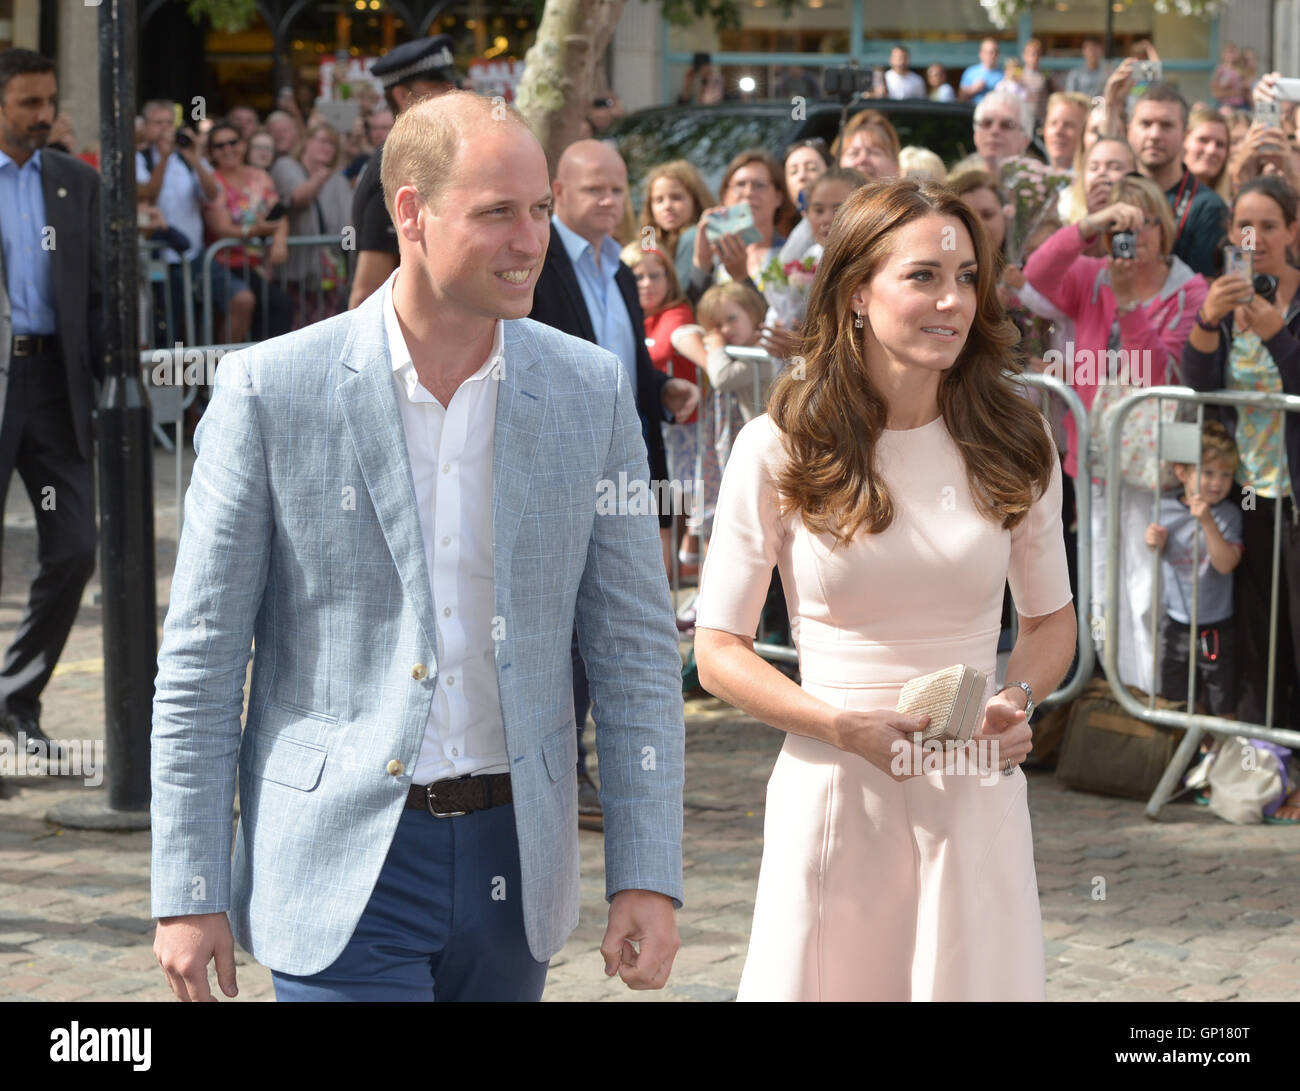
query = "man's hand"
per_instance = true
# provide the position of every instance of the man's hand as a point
(185, 945)
(62, 132)
(680, 397)
(641, 917)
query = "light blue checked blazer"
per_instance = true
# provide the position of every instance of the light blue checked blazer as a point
(302, 534)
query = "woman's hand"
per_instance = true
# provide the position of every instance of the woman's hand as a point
(1225, 295)
(778, 341)
(1006, 724)
(1116, 217)
(883, 737)
(1123, 279)
(734, 256)
(1262, 317)
(279, 252)
(704, 251)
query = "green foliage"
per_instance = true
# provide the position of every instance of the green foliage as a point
(228, 15)
(724, 13)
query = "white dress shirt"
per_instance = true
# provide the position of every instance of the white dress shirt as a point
(908, 85)
(451, 465)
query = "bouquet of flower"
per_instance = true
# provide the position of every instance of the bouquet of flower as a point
(1032, 189)
(786, 288)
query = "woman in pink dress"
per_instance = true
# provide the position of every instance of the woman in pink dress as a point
(898, 482)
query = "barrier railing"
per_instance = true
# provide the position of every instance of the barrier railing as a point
(309, 286)
(1086, 662)
(1196, 725)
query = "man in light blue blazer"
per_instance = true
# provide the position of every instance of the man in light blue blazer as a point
(397, 509)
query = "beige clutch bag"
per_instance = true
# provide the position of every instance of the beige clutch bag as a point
(952, 698)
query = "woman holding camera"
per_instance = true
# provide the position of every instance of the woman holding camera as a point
(1133, 309)
(1247, 337)
(898, 482)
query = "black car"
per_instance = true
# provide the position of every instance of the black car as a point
(710, 136)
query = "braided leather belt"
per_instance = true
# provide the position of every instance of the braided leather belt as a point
(461, 795)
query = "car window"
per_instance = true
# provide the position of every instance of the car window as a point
(709, 139)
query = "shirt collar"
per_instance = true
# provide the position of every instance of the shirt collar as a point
(35, 160)
(575, 246)
(400, 355)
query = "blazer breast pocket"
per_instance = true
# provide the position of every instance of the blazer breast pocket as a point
(290, 762)
(560, 751)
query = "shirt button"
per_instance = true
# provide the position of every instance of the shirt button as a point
(446, 467)
(446, 611)
(396, 768)
(446, 539)
(419, 672)
(455, 753)
(451, 679)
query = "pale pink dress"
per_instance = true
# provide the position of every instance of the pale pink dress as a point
(872, 889)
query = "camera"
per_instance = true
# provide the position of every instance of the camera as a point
(183, 139)
(845, 82)
(1265, 285)
(1123, 244)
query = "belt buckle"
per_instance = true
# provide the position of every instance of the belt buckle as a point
(22, 343)
(429, 798)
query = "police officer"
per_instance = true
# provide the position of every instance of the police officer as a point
(412, 71)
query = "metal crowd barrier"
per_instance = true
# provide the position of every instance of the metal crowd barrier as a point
(1196, 724)
(312, 284)
(1086, 661)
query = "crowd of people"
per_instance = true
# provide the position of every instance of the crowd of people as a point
(1111, 249)
(1111, 265)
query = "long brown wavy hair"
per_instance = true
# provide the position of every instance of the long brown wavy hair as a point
(831, 415)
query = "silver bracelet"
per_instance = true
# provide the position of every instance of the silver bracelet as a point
(1029, 695)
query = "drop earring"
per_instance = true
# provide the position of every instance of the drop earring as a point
(857, 320)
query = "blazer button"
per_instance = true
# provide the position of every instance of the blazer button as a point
(396, 768)
(419, 672)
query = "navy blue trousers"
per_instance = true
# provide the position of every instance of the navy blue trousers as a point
(445, 920)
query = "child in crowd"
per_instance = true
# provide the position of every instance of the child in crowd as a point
(1203, 510)
(830, 191)
(666, 310)
(675, 196)
(729, 314)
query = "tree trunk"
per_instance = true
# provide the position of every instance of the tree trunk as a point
(559, 77)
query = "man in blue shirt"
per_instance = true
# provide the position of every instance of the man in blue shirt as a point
(585, 290)
(979, 79)
(50, 323)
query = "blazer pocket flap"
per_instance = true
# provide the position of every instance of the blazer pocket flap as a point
(560, 751)
(289, 762)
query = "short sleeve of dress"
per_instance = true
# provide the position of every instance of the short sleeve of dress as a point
(748, 534)
(1038, 574)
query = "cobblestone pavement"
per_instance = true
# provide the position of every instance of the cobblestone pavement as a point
(1194, 908)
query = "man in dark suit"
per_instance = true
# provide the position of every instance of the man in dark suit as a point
(50, 325)
(584, 290)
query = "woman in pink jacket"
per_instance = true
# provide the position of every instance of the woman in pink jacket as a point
(1144, 305)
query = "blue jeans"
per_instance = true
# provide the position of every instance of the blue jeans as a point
(444, 922)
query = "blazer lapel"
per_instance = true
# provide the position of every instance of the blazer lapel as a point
(368, 401)
(56, 204)
(559, 257)
(521, 411)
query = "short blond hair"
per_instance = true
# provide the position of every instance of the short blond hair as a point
(917, 162)
(421, 148)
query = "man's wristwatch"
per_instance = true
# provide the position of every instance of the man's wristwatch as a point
(1029, 695)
